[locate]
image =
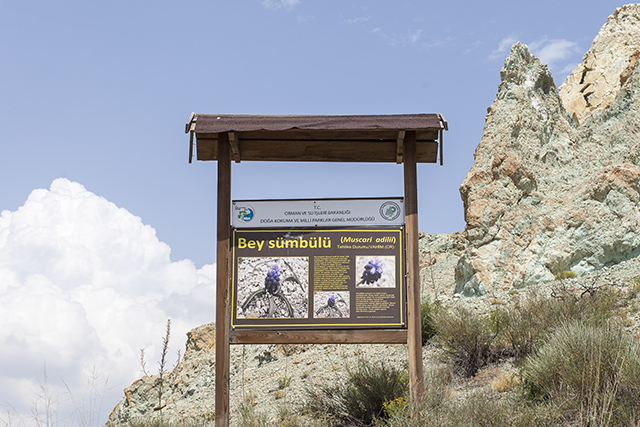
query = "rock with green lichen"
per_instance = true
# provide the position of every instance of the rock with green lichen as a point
(548, 190)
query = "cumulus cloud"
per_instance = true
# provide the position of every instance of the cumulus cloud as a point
(84, 284)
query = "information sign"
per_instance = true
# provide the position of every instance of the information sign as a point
(318, 278)
(318, 213)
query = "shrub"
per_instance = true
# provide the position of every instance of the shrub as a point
(284, 382)
(362, 398)
(429, 328)
(566, 274)
(476, 410)
(595, 369)
(526, 325)
(249, 415)
(467, 339)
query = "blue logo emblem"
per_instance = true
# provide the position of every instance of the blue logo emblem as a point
(245, 213)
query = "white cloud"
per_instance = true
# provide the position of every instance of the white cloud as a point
(280, 4)
(553, 51)
(503, 48)
(472, 46)
(560, 55)
(357, 20)
(411, 37)
(415, 36)
(568, 68)
(86, 284)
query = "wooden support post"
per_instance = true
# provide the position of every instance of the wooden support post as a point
(234, 141)
(222, 281)
(414, 339)
(441, 149)
(400, 146)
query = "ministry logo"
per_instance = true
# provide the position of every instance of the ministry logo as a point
(244, 213)
(390, 210)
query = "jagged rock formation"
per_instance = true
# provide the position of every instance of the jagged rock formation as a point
(606, 67)
(547, 193)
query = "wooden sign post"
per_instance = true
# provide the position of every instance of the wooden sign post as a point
(222, 282)
(414, 338)
(407, 139)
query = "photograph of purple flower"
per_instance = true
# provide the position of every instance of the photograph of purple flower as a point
(331, 304)
(273, 287)
(376, 272)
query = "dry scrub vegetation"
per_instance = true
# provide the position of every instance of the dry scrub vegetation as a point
(568, 359)
(564, 360)
(561, 360)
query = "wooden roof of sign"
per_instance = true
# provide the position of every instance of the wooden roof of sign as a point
(348, 138)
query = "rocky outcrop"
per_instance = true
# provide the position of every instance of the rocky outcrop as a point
(606, 67)
(266, 379)
(547, 193)
(185, 393)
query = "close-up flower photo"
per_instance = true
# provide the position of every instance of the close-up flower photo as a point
(331, 304)
(376, 272)
(273, 287)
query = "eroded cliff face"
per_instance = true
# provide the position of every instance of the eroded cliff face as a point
(552, 187)
(606, 67)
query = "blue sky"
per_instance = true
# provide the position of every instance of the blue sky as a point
(98, 93)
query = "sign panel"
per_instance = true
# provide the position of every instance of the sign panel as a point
(317, 213)
(318, 278)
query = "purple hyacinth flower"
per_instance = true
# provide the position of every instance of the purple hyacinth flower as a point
(272, 281)
(372, 271)
(331, 301)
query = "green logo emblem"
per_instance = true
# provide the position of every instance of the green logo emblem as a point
(390, 210)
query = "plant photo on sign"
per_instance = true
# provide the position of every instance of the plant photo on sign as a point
(376, 272)
(273, 287)
(331, 304)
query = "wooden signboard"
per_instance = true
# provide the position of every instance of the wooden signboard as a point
(407, 139)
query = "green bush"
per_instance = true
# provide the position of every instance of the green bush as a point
(566, 274)
(593, 368)
(362, 398)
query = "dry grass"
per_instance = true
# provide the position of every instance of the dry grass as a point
(579, 367)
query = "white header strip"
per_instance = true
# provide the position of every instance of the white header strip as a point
(317, 213)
